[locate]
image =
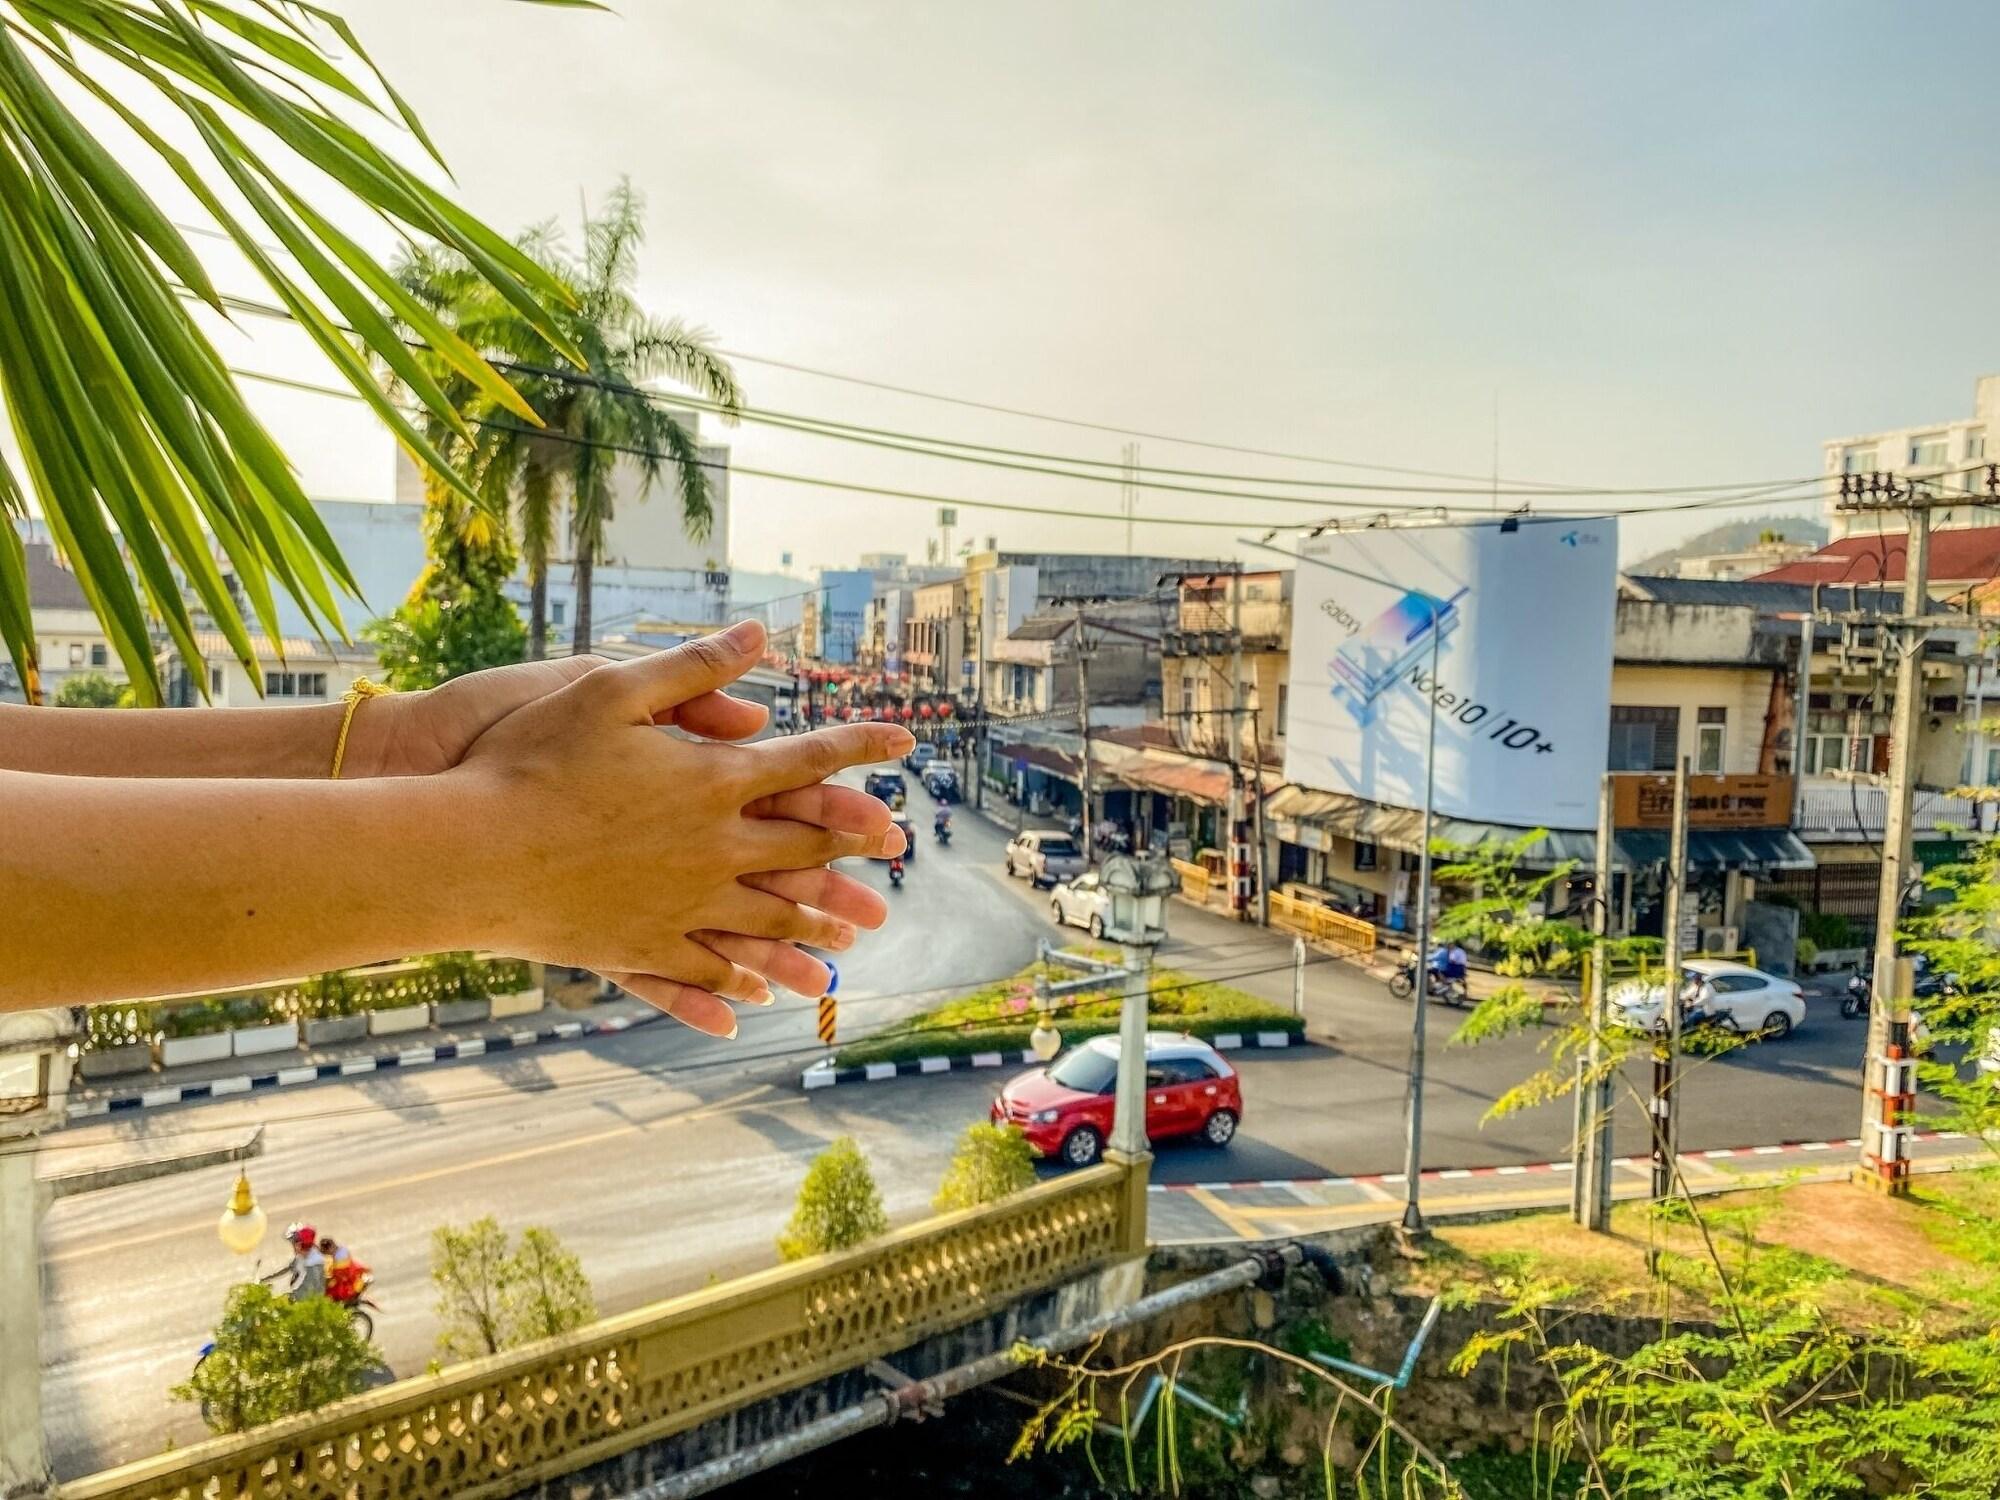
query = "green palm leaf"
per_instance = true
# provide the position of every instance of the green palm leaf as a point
(148, 469)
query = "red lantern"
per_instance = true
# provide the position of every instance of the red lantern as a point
(945, 709)
(923, 710)
(908, 713)
(847, 713)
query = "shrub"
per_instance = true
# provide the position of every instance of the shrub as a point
(493, 1297)
(838, 1205)
(992, 1161)
(277, 1358)
(325, 996)
(108, 1026)
(546, 1291)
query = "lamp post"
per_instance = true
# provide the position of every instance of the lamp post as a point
(1413, 1126)
(241, 1227)
(34, 1088)
(1138, 889)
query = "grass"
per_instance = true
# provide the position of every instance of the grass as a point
(1896, 1257)
(999, 1017)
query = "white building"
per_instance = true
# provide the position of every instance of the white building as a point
(68, 639)
(383, 544)
(1939, 452)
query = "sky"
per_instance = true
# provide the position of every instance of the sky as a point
(1666, 245)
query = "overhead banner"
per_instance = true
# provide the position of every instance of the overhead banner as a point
(1508, 631)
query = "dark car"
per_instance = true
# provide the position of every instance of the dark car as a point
(941, 781)
(887, 785)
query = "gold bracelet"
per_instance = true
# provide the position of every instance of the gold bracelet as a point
(362, 688)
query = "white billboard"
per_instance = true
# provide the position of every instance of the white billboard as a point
(1509, 630)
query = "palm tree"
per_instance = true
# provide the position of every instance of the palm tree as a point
(594, 412)
(148, 468)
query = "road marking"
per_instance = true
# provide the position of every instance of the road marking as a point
(1374, 1192)
(1235, 1222)
(735, 1104)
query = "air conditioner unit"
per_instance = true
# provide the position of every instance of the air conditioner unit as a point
(1718, 939)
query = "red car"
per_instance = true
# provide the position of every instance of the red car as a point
(1065, 1109)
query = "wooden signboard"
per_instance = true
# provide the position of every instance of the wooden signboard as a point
(1642, 801)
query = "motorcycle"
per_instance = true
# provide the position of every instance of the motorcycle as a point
(1855, 1001)
(896, 873)
(942, 833)
(1442, 987)
(1861, 990)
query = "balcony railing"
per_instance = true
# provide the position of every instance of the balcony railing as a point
(499, 1425)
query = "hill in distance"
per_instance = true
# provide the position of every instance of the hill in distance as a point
(1732, 536)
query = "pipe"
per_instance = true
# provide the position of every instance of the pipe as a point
(885, 1408)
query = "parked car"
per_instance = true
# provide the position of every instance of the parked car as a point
(888, 785)
(1082, 902)
(1045, 856)
(920, 755)
(1729, 994)
(941, 781)
(1065, 1108)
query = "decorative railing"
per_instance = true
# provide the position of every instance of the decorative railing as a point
(498, 1425)
(1320, 924)
(1195, 880)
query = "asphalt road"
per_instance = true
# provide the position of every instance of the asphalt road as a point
(662, 1158)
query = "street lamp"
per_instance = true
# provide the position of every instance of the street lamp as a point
(1413, 1132)
(1044, 1041)
(242, 1224)
(1138, 889)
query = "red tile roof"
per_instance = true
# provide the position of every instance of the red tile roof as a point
(1957, 555)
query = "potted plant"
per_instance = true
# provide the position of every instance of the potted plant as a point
(516, 987)
(117, 1039)
(257, 1026)
(461, 995)
(194, 1031)
(395, 1002)
(331, 1010)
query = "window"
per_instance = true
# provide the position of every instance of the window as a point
(215, 682)
(1643, 739)
(1187, 696)
(1836, 752)
(99, 656)
(295, 684)
(1711, 725)
(558, 610)
(1365, 855)
(1857, 461)
(76, 653)
(1284, 704)
(1975, 442)
(1931, 451)
(1993, 768)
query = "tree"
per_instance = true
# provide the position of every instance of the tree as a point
(593, 412)
(546, 1291)
(992, 1162)
(457, 619)
(137, 447)
(838, 1205)
(277, 1358)
(469, 1269)
(89, 690)
(493, 1297)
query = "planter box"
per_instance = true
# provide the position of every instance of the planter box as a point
(336, 1029)
(460, 1012)
(252, 1041)
(177, 1051)
(402, 1018)
(523, 1003)
(1833, 960)
(109, 1062)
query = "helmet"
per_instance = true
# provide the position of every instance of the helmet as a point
(301, 1235)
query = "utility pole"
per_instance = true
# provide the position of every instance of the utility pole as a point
(1667, 1045)
(1413, 1125)
(1083, 730)
(1128, 492)
(1239, 836)
(1257, 841)
(1590, 1204)
(1889, 1086)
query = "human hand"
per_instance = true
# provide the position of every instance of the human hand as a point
(685, 871)
(418, 734)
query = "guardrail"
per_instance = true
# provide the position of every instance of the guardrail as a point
(1315, 923)
(503, 1424)
(1196, 882)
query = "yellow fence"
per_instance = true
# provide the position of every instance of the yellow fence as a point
(1196, 882)
(502, 1424)
(1321, 924)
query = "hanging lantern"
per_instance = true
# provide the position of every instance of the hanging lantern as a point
(242, 1224)
(945, 709)
(908, 713)
(923, 710)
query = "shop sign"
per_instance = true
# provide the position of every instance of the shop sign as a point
(1642, 801)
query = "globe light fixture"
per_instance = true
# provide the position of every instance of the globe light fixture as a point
(1044, 1041)
(242, 1224)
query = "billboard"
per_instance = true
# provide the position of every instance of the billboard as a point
(1508, 631)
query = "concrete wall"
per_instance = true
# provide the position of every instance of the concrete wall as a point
(1694, 635)
(1744, 693)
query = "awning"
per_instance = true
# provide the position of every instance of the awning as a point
(1749, 850)
(1403, 827)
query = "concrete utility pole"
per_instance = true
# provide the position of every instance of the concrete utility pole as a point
(1413, 1134)
(1083, 730)
(1590, 1204)
(1239, 834)
(1889, 1087)
(1667, 1046)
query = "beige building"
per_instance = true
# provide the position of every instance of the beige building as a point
(1939, 453)
(295, 670)
(69, 640)
(935, 638)
(1197, 658)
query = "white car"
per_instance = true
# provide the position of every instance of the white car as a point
(1744, 999)
(1082, 902)
(1046, 856)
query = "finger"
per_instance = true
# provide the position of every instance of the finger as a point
(717, 716)
(779, 844)
(693, 1008)
(840, 808)
(780, 963)
(649, 686)
(827, 891)
(804, 759)
(755, 913)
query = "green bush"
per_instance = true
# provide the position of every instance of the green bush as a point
(992, 1162)
(325, 996)
(108, 1026)
(277, 1358)
(999, 1017)
(838, 1206)
(493, 1296)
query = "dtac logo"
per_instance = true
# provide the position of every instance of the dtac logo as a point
(1577, 539)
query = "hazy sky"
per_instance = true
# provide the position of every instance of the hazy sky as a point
(1682, 244)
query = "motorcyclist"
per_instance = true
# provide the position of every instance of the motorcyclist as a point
(896, 870)
(345, 1276)
(307, 1267)
(941, 822)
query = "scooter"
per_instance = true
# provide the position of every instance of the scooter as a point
(896, 873)
(1855, 1001)
(1403, 984)
(942, 832)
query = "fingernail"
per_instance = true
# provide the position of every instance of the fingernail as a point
(730, 1034)
(742, 635)
(762, 996)
(843, 937)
